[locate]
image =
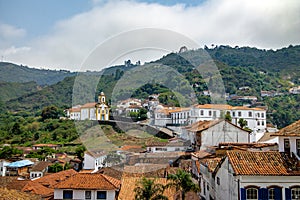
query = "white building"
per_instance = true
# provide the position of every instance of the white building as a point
(88, 111)
(39, 169)
(289, 139)
(94, 160)
(162, 116)
(87, 186)
(250, 175)
(3, 164)
(204, 134)
(74, 113)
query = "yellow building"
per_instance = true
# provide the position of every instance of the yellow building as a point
(102, 110)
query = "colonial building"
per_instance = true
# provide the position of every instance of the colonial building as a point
(102, 110)
(87, 186)
(90, 111)
(94, 160)
(204, 134)
(289, 139)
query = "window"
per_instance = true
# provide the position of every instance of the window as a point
(258, 123)
(215, 113)
(286, 145)
(204, 188)
(201, 112)
(251, 194)
(271, 194)
(218, 180)
(68, 194)
(239, 113)
(249, 114)
(274, 193)
(295, 193)
(101, 194)
(298, 146)
(262, 115)
(88, 194)
(262, 123)
(233, 114)
(209, 113)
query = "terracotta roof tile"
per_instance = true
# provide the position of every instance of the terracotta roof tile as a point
(202, 125)
(52, 179)
(258, 163)
(211, 163)
(40, 166)
(290, 130)
(14, 194)
(89, 181)
(201, 154)
(37, 188)
(129, 184)
(114, 172)
(89, 105)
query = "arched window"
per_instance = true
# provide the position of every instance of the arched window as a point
(274, 193)
(251, 193)
(295, 193)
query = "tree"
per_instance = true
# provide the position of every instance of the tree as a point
(182, 181)
(50, 112)
(147, 189)
(55, 168)
(79, 151)
(8, 152)
(242, 122)
(228, 117)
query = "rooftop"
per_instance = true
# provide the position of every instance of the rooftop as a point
(89, 181)
(20, 163)
(260, 163)
(40, 166)
(291, 130)
(52, 179)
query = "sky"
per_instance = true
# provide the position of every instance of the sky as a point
(62, 34)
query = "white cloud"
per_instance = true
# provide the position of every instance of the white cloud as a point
(264, 24)
(8, 32)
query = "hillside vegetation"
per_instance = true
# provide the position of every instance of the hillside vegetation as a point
(10, 72)
(180, 78)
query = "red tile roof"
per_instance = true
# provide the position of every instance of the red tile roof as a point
(89, 105)
(290, 130)
(211, 163)
(52, 179)
(259, 163)
(202, 125)
(37, 188)
(40, 166)
(129, 184)
(89, 181)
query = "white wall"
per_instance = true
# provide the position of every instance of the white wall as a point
(292, 144)
(3, 165)
(80, 194)
(222, 132)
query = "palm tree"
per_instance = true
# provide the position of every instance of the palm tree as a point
(148, 190)
(242, 122)
(182, 181)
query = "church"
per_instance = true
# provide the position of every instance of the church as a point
(102, 110)
(90, 111)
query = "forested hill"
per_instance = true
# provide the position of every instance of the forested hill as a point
(10, 72)
(284, 61)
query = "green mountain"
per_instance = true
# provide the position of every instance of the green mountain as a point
(237, 67)
(10, 91)
(10, 72)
